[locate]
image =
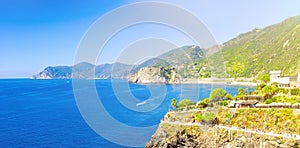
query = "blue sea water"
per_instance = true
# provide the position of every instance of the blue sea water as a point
(44, 113)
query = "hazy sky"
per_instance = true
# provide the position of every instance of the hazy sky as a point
(35, 34)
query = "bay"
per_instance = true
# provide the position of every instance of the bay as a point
(44, 113)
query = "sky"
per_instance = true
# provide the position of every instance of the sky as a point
(35, 34)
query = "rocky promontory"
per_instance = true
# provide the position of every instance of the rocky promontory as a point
(154, 75)
(179, 129)
(171, 136)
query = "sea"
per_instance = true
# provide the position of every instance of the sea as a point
(46, 113)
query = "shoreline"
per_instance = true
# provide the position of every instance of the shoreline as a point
(234, 83)
(208, 81)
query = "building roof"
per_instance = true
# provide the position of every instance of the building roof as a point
(243, 102)
(246, 102)
(275, 72)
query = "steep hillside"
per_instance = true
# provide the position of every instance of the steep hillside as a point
(176, 57)
(188, 62)
(276, 47)
(255, 128)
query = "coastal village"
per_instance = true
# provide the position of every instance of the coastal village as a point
(287, 83)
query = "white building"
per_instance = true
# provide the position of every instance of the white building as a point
(275, 77)
(284, 81)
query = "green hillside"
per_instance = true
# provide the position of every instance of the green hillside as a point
(188, 62)
(251, 54)
(276, 47)
(178, 56)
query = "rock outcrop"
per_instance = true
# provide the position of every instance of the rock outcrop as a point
(58, 72)
(169, 136)
(177, 135)
(154, 75)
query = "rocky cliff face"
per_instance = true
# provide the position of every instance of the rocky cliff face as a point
(154, 75)
(172, 135)
(169, 136)
(59, 72)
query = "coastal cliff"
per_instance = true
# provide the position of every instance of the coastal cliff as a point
(180, 129)
(203, 137)
(154, 75)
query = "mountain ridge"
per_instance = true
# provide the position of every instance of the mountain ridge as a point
(251, 54)
(175, 57)
(86, 71)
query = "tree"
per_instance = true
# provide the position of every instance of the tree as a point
(174, 103)
(224, 103)
(240, 92)
(268, 91)
(228, 97)
(203, 103)
(260, 87)
(265, 78)
(217, 94)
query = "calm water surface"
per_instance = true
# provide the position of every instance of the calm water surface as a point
(43, 113)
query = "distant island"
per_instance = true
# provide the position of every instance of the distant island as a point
(246, 58)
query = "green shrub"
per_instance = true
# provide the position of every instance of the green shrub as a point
(217, 94)
(283, 90)
(199, 117)
(224, 103)
(227, 116)
(295, 91)
(174, 103)
(268, 101)
(184, 103)
(209, 116)
(203, 103)
(275, 120)
(228, 97)
(265, 78)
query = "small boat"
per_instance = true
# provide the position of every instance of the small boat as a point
(141, 103)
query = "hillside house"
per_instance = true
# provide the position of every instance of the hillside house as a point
(243, 104)
(284, 81)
